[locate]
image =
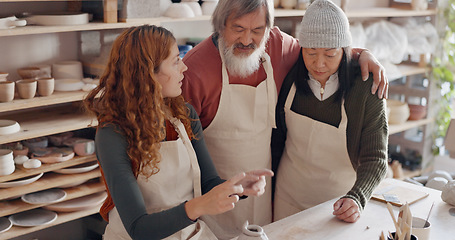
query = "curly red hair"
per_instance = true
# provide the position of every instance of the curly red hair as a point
(129, 95)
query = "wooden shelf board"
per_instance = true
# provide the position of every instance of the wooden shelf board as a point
(48, 180)
(396, 128)
(62, 218)
(55, 98)
(22, 172)
(43, 122)
(411, 69)
(17, 205)
(363, 12)
(387, 12)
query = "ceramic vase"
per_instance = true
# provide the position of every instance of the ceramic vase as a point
(252, 232)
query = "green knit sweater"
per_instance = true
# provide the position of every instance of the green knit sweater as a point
(367, 129)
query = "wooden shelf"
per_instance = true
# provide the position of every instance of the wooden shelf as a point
(22, 172)
(55, 98)
(48, 180)
(43, 122)
(363, 12)
(62, 218)
(16, 206)
(29, 30)
(411, 69)
(396, 128)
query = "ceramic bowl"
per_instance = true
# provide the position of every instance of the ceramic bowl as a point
(29, 72)
(84, 147)
(45, 70)
(399, 111)
(11, 22)
(9, 127)
(41, 142)
(179, 10)
(59, 19)
(437, 183)
(66, 85)
(417, 112)
(58, 139)
(67, 69)
(194, 5)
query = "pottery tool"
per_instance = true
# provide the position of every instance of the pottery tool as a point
(403, 223)
(428, 217)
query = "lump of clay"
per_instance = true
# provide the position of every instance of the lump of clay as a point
(448, 193)
(440, 173)
(437, 183)
(32, 163)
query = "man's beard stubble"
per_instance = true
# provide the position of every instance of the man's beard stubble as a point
(242, 65)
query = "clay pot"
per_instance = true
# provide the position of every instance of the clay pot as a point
(417, 112)
(252, 232)
(45, 86)
(399, 111)
(6, 91)
(26, 88)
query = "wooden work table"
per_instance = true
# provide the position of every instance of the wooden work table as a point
(318, 222)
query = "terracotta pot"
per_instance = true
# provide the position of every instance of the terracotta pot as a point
(417, 112)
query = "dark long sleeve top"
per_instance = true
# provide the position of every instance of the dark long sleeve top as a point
(111, 150)
(366, 134)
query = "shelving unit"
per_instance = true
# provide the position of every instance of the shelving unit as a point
(61, 112)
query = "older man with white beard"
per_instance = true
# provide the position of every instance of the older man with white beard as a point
(232, 82)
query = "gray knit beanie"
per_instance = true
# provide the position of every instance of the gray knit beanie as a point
(324, 25)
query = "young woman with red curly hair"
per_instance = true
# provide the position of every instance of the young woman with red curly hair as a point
(159, 175)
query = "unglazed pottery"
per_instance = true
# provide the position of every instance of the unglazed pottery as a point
(448, 193)
(6, 91)
(45, 86)
(26, 88)
(252, 232)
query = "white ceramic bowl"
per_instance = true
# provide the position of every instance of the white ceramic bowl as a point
(9, 127)
(399, 111)
(179, 10)
(59, 19)
(65, 85)
(67, 69)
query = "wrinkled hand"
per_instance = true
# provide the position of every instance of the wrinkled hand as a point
(368, 63)
(254, 182)
(220, 199)
(346, 209)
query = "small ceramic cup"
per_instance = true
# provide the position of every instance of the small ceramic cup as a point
(29, 72)
(26, 88)
(6, 91)
(421, 228)
(45, 86)
(6, 162)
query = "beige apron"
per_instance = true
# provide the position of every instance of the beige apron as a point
(315, 166)
(238, 140)
(177, 181)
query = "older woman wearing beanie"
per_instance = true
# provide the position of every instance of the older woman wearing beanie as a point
(331, 136)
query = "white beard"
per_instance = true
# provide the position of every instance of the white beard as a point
(242, 65)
